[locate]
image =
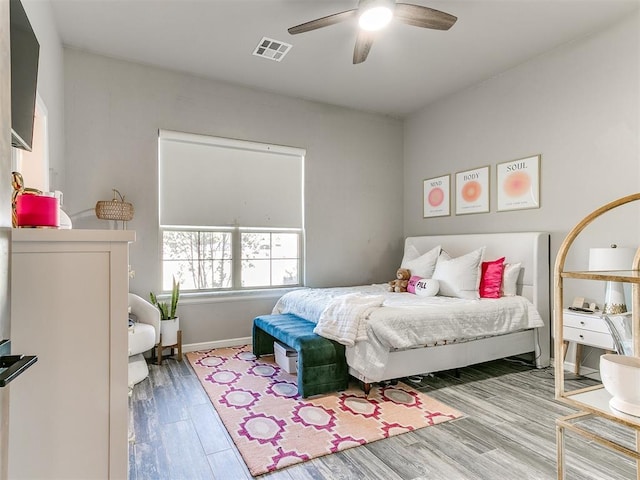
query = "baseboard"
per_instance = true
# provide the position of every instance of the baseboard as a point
(236, 342)
(584, 371)
(231, 342)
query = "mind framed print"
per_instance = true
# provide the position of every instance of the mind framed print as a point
(436, 196)
(472, 191)
(518, 184)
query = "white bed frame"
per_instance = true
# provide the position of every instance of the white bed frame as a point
(531, 249)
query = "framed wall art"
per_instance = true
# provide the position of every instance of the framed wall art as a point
(436, 196)
(518, 184)
(472, 191)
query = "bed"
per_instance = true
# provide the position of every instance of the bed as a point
(381, 355)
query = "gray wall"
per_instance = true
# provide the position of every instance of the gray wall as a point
(353, 173)
(578, 106)
(50, 84)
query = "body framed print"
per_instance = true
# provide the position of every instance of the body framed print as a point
(436, 197)
(472, 191)
(518, 184)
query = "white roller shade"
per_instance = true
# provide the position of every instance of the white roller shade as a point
(212, 181)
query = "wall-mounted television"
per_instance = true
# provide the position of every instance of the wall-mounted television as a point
(25, 51)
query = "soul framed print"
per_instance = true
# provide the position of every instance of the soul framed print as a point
(436, 196)
(472, 191)
(518, 184)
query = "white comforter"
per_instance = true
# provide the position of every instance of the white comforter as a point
(345, 318)
(404, 320)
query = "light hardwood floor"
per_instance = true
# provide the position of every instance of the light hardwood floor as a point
(508, 433)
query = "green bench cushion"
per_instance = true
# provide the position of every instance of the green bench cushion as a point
(322, 366)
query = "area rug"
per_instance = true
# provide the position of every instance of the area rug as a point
(273, 427)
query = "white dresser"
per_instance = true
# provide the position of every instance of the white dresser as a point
(69, 307)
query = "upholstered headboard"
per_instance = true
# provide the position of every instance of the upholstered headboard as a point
(531, 249)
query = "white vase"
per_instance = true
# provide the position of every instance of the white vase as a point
(169, 331)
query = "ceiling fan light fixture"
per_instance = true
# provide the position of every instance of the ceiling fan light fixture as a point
(374, 15)
(376, 18)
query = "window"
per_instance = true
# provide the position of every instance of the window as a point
(269, 258)
(231, 213)
(200, 259)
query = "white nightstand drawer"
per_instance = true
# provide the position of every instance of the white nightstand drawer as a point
(591, 322)
(588, 337)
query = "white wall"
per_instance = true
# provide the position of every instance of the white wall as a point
(578, 106)
(353, 170)
(50, 84)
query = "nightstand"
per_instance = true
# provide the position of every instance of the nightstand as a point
(585, 329)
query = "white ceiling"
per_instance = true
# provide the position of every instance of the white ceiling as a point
(407, 68)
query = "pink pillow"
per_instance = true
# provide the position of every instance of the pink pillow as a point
(491, 279)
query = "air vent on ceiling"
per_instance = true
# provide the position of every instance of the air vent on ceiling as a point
(271, 49)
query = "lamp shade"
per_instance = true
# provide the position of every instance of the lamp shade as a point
(611, 258)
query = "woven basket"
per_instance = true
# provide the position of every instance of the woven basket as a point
(114, 210)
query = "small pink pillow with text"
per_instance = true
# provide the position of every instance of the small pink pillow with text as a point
(425, 287)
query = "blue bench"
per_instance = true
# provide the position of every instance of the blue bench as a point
(322, 366)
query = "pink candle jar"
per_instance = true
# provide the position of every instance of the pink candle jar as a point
(37, 211)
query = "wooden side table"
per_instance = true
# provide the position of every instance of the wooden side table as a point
(160, 348)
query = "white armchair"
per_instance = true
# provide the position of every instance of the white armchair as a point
(143, 336)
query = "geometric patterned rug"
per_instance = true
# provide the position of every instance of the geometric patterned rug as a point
(273, 427)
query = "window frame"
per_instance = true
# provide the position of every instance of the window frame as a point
(182, 228)
(236, 257)
(272, 231)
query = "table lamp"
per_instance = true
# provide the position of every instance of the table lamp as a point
(610, 259)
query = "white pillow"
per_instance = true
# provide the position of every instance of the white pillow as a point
(459, 277)
(424, 265)
(509, 279)
(410, 253)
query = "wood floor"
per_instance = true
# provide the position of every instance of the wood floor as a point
(508, 433)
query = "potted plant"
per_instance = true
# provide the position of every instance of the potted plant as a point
(170, 323)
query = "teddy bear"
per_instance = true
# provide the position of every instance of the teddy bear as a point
(402, 280)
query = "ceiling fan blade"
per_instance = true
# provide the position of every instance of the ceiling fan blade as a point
(424, 17)
(363, 45)
(323, 22)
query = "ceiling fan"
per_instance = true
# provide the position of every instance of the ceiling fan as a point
(373, 15)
